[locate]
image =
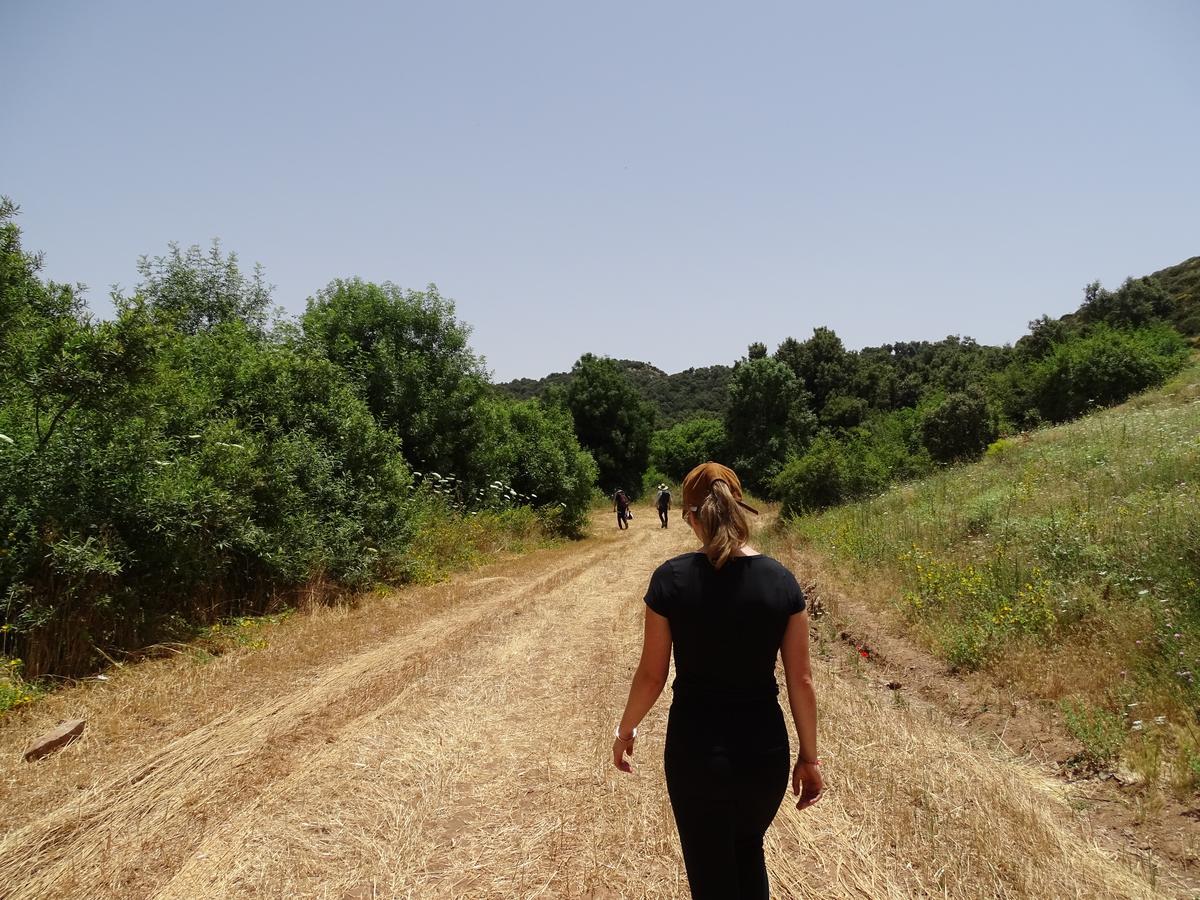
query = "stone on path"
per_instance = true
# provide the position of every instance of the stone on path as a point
(53, 740)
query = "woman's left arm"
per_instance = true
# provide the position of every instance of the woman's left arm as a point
(648, 682)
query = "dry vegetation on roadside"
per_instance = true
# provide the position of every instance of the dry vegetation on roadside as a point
(444, 543)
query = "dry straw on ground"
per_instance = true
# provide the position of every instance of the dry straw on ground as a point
(454, 742)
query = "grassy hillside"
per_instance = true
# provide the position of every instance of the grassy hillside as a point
(1068, 563)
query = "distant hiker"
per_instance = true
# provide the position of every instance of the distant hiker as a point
(663, 503)
(621, 505)
(727, 611)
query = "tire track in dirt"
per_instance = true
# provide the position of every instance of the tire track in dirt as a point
(118, 839)
(477, 782)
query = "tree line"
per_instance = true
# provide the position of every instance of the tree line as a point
(814, 424)
(200, 454)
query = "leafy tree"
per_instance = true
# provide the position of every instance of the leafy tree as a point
(874, 382)
(612, 421)
(842, 411)
(1044, 334)
(675, 451)
(409, 357)
(768, 420)
(143, 467)
(197, 291)
(960, 427)
(55, 359)
(1136, 303)
(533, 449)
(919, 368)
(822, 364)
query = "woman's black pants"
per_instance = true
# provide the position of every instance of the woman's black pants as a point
(727, 770)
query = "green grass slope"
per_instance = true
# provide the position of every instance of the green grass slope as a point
(1068, 563)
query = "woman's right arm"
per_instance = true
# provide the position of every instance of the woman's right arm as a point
(806, 777)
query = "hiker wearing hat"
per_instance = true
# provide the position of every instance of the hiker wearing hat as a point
(663, 503)
(727, 610)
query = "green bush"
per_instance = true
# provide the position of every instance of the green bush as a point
(677, 450)
(241, 468)
(862, 462)
(959, 427)
(1002, 450)
(818, 479)
(533, 451)
(652, 479)
(1102, 368)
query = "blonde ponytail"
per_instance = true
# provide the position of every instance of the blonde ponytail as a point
(723, 523)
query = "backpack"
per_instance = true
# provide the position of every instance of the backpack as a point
(664, 499)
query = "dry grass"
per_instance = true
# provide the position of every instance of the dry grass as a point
(919, 808)
(462, 751)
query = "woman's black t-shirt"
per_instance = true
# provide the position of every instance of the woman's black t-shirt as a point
(726, 624)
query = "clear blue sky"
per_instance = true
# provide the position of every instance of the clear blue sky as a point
(658, 181)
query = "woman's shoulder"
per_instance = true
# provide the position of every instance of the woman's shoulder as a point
(770, 566)
(682, 562)
(671, 577)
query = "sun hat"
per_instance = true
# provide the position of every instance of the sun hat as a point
(698, 484)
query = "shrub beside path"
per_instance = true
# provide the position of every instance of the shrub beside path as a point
(454, 741)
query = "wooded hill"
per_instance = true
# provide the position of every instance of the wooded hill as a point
(1182, 284)
(676, 398)
(703, 392)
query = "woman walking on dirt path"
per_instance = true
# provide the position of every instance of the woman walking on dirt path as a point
(727, 610)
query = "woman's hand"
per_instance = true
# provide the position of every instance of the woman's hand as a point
(620, 748)
(807, 783)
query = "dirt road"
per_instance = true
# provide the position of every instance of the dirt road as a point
(454, 742)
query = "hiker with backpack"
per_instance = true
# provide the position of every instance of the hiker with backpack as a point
(663, 503)
(621, 505)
